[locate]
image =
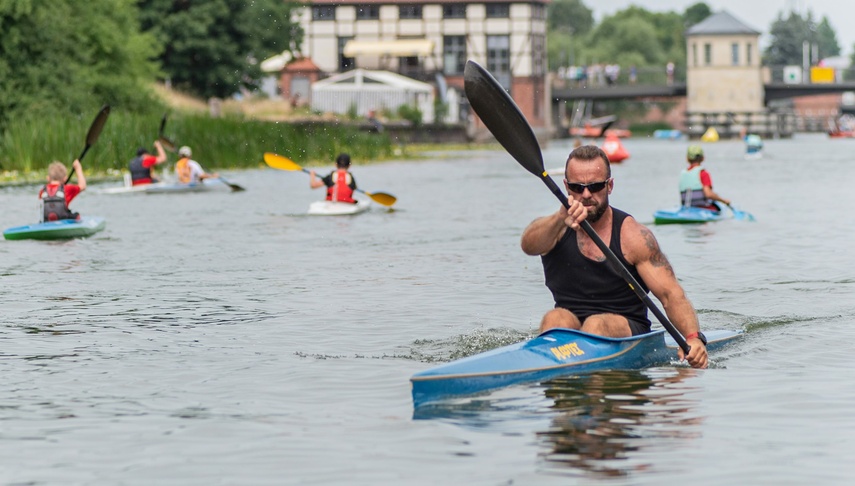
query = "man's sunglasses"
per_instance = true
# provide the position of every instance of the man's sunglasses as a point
(593, 187)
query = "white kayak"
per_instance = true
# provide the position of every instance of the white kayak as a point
(169, 188)
(335, 208)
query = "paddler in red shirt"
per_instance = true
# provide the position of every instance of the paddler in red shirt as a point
(142, 165)
(56, 195)
(340, 183)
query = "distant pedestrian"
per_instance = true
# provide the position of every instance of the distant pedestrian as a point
(633, 74)
(669, 71)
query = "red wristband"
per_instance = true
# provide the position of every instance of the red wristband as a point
(691, 336)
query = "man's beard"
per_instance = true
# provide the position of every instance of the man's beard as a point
(597, 212)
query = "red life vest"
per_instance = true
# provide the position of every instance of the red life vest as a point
(340, 190)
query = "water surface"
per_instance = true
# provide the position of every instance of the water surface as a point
(227, 338)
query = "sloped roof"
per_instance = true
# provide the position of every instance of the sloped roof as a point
(303, 64)
(721, 23)
(372, 80)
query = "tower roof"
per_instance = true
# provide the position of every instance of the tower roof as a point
(721, 23)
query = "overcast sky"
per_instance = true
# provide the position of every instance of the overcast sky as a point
(758, 14)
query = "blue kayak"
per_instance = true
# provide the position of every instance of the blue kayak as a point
(554, 353)
(57, 230)
(688, 215)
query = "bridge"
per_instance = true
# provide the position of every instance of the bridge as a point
(775, 124)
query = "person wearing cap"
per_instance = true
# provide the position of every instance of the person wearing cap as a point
(143, 164)
(590, 295)
(696, 184)
(188, 170)
(340, 183)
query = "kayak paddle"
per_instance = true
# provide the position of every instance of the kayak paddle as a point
(740, 215)
(234, 187)
(503, 118)
(284, 163)
(170, 145)
(94, 132)
(167, 143)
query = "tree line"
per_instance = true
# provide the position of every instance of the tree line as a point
(72, 56)
(638, 37)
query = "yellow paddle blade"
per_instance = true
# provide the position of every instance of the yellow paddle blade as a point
(382, 198)
(279, 162)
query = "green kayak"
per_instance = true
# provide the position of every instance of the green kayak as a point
(57, 230)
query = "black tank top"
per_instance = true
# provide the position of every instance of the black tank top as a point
(586, 287)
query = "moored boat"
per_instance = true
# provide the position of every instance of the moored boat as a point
(668, 134)
(554, 353)
(689, 215)
(169, 188)
(595, 132)
(335, 208)
(57, 230)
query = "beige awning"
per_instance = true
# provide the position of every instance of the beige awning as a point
(395, 48)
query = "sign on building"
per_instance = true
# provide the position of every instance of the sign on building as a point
(821, 75)
(792, 74)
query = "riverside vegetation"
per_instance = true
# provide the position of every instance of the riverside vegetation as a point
(27, 145)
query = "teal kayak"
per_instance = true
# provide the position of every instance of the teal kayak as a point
(57, 230)
(689, 215)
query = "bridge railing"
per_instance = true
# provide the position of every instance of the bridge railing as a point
(590, 76)
(779, 74)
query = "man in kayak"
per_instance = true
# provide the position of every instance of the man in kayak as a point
(589, 294)
(144, 163)
(188, 170)
(696, 184)
(56, 195)
(340, 182)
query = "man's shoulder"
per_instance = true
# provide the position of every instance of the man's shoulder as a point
(636, 238)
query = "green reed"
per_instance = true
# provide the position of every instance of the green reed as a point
(29, 145)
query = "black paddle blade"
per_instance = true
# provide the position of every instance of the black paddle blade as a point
(605, 127)
(97, 125)
(502, 117)
(162, 125)
(167, 144)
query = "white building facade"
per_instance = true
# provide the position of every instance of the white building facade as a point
(432, 42)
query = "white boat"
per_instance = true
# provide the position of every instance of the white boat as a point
(167, 187)
(335, 208)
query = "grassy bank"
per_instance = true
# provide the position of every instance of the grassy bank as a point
(29, 145)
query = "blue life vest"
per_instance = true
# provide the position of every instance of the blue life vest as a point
(692, 190)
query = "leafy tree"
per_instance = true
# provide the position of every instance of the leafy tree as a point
(827, 39)
(214, 47)
(789, 35)
(570, 16)
(696, 14)
(67, 55)
(618, 37)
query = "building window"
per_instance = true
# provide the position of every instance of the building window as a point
(453, 54)
(367, 12)
(323, 12)
(734, 54)
(499, 58)
(538, 55)
(344, 63)
(694, 54)
(454, 11)
(498, 10)
(410, 11)
(538, 11)
(748, 53)
(409, 66)
(707, 54)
